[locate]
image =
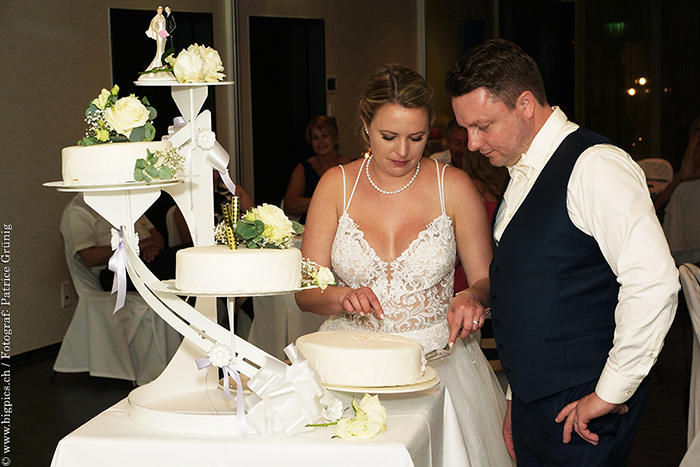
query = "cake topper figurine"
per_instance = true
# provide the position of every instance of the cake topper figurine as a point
(157, 30)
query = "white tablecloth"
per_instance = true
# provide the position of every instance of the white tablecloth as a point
(692, 457)
(422, 431)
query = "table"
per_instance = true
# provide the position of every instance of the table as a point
(422, 431)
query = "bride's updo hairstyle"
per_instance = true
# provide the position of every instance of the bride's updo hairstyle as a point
(395, 84)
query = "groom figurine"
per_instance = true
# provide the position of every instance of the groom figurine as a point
(169, 27)
(583, 286)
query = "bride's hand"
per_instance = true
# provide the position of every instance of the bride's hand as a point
(465, 316)
(363, 301)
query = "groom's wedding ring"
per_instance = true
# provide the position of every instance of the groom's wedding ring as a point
(475, 322)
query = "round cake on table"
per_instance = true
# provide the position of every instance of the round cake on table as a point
(105, 164)
(218, 269)
(363, 358)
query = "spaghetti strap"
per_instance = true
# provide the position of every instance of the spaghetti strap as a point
(346, 206)
(344, 188)
(441, 184)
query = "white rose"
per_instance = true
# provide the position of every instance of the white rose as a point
(220, 355)
(189, 66)
(277, 226)
(212, 65)
(371, 410)
(128, 113)
(333, 411)
(325, 277)
(357, 429)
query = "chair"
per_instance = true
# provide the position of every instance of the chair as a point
(690, 280)
(682, 223)
(174, 237)
(659, 173)
(132, 344)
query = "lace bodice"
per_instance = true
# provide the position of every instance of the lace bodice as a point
(415, 289)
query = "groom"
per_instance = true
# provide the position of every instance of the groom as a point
(583, 287)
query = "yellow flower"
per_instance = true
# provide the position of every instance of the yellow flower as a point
(115, 90)
(101, 100)
(102, 135)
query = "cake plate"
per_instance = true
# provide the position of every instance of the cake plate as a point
(427, 381)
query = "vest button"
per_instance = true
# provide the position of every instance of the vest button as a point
(493, 295)
(495, 321)
(499, 347)
(506, 369)
(494, 268)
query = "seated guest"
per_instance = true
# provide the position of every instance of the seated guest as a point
(456, 145)
(322, 135)
(90, 237)
(690, 167)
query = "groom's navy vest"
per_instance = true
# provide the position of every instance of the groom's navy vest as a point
(553, 295)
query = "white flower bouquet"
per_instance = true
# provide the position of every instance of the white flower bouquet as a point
(114, 119)
(369, 420)
(196, 64)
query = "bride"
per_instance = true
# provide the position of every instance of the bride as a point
(391, 226)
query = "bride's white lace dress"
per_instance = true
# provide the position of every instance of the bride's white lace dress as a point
(415, 291)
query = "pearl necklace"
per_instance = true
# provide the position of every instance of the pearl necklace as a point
(369, 177)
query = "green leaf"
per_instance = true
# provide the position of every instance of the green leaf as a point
(87, 141)
(137, 134)
(152, 113)
(246, 230)
(118, 138)
(259, 226)
(144, 99)
(165, 173)
(298, 228)
(138, 175)
(140, 164)
(91, 109)
(152, 171)
(149, 132)
(147, 178)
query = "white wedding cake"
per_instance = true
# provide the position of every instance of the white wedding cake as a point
(363, 358)
(105, 164)
(217, 269)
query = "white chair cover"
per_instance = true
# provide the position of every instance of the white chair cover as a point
(659, 173)
(133, 344)
(682, 223)
(174, 237)
(690, 280)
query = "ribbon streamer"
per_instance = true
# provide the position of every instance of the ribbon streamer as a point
(117, 264)
(229, 370)
(218, 158)
(290, 395)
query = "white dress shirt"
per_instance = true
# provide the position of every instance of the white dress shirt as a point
(607, 198)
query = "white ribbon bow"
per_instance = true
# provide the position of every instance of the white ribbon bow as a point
(117, 264)
(290, 395)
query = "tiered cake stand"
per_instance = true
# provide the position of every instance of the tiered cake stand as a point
(183, 398)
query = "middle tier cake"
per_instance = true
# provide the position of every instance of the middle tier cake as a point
(217, 269)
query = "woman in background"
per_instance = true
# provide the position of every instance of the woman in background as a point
(322, 135)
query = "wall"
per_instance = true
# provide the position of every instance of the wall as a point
(55, 59)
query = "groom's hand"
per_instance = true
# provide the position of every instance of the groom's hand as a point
(579, 414)
(508, 432)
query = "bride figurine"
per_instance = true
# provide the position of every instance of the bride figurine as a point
(391, 227)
